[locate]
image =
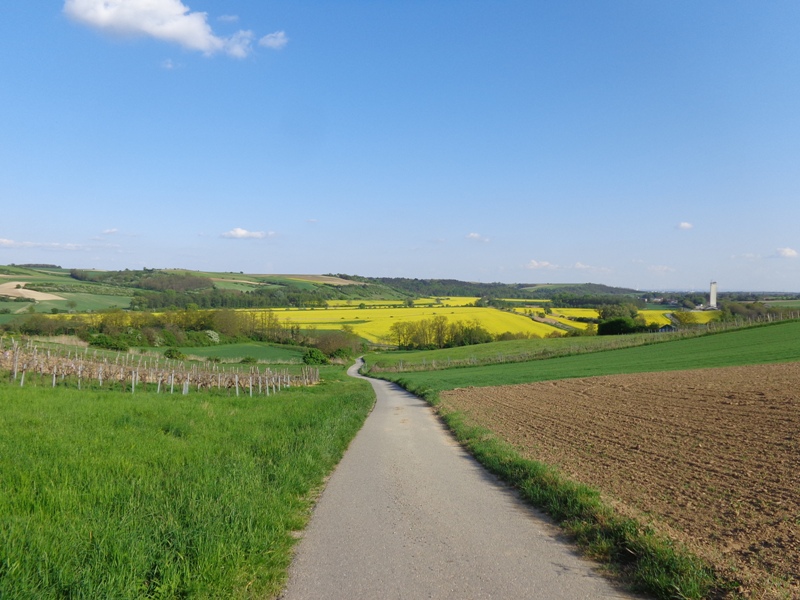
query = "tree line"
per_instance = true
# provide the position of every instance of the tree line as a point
(439, 332)
(120, 330)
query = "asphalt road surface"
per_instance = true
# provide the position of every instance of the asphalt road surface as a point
(409, 514)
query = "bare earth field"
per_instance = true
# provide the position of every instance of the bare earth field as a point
(710, 457)
(10, 289)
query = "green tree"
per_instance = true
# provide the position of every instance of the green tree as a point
(612, 311)
(616, 326)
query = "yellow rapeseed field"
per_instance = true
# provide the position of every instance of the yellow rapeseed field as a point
(374, 324)
(651, 315)
(704, 316)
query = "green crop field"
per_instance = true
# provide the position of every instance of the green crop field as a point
(111, 495)
(85, 302)
(784, 303)
(778, 342)
(258, 350)
(507, 351)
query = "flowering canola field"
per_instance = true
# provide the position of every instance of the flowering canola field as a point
(374, 324)
(651, 316)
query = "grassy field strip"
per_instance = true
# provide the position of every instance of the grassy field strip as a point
(555, 317)
(111, 496)
(568, 322)
(257, 350)
(444, 301)
(515, 351)
(757, 345)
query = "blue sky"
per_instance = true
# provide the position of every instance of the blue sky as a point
(637, 143)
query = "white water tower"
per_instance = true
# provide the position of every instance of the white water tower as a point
(712, 296)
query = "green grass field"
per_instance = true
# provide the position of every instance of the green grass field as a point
(109, 495)
(85, 302)
(784, 303)
(778, 342)
(258, 350)
(498, 352)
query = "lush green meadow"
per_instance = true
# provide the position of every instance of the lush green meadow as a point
(111, 495)
(778, 342)
(505, 351)
(272, 353)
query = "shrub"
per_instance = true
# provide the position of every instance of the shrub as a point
(101, 340)
(174, 354)
(314, 356)
(616, 326)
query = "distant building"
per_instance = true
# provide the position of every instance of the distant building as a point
(712, 296)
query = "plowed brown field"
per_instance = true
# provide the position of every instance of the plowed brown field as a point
(711, 457)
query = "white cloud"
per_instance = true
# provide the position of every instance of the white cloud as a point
(228, 18)
(684, 225)
(583, 267)
(276, 40)
(543, 264)
(746, 256)
(660, 269)
(578, 266)
(477, 237)
(787, 252)
(237, 233)
(167, 20)
(5, 243)
(111, 231)
(240, 44)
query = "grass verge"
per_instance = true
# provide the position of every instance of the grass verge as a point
(648, 562)
(111, 495)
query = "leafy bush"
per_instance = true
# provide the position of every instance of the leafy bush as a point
(249, 360)
(174, 354)
(102, 340)
(616, 326)
(314, 356)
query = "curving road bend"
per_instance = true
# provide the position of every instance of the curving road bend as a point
(409, 514)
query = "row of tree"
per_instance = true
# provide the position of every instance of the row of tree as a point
(437, 332)
(120, 330)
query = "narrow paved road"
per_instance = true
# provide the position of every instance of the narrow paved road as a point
(409, 514)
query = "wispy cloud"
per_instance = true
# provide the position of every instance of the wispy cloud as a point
(685, 225)
(228, 18)
(786, 253)
(584, 267)
(5, 243)
(166, 20)
(746, 256)
(276, 40)
(237, 233)
(111, 231)
(540, 264)
(477, 237)
(578, 266)
(660, 269)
